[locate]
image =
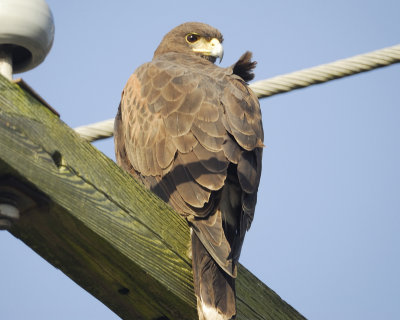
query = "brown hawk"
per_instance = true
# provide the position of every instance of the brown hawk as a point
(191, 132)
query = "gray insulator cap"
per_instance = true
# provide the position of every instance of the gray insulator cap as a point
(26, 32)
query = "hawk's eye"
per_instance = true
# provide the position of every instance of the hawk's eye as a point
(191, 37)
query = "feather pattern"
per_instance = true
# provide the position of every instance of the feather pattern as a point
(191, 132)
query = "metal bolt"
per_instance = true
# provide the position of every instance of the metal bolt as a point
(8, 212)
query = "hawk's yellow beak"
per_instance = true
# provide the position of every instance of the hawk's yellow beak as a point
(209, 48)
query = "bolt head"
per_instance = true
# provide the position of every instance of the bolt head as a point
(9, 211)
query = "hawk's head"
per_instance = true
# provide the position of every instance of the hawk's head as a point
(194, 38)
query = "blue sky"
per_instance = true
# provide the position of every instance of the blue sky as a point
(327, 229)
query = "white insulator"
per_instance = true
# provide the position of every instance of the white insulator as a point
(26, 32)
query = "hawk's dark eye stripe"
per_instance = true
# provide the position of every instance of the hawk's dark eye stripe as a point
(191, 38)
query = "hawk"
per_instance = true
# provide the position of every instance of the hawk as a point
(191, 132)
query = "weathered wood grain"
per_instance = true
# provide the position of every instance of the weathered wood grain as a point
(99, 226)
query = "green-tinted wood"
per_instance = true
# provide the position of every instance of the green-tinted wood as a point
(100, 227)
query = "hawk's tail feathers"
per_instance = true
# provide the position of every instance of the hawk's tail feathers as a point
(214, 288)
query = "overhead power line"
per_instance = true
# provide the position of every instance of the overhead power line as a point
(97, 131)
(326, 72)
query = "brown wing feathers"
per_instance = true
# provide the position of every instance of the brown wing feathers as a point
(192, 133)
